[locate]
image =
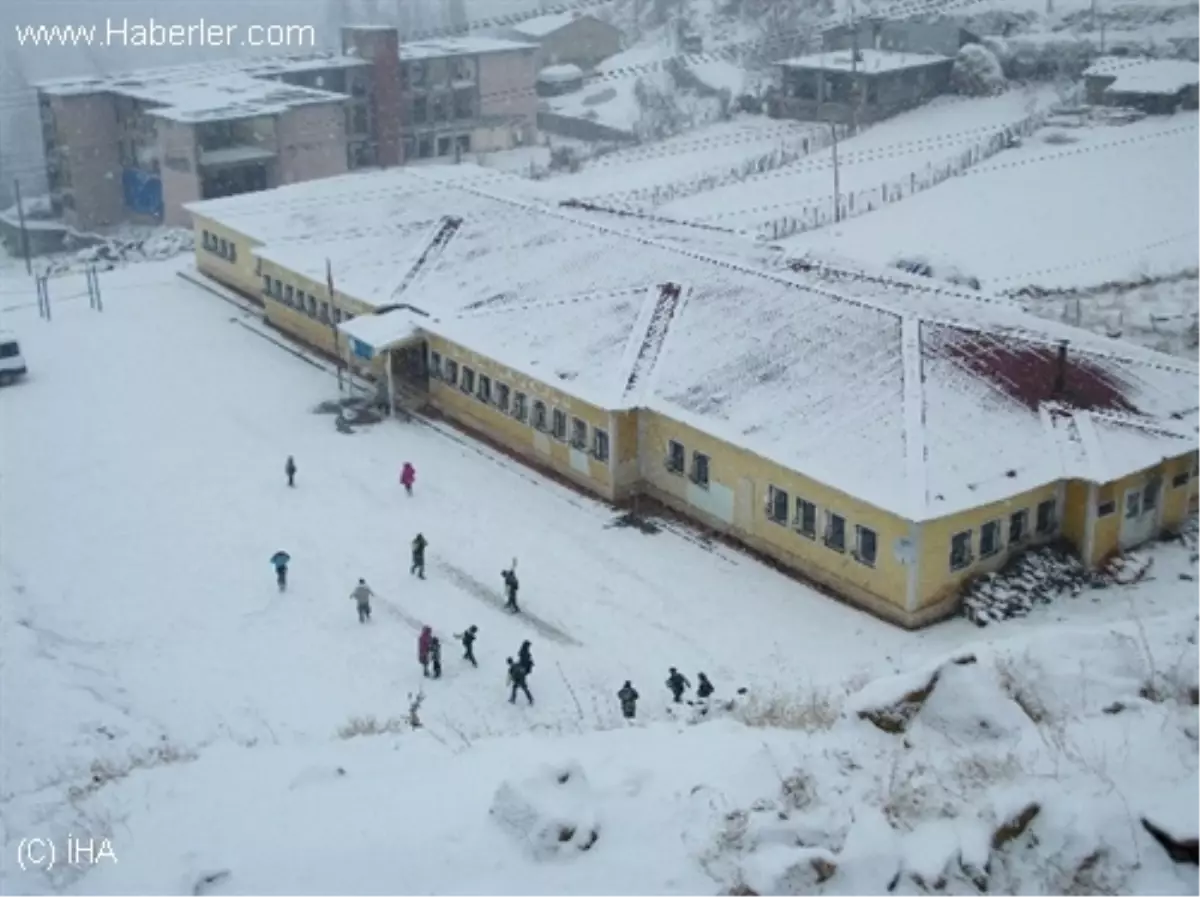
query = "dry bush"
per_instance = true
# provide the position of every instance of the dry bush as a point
(1016, 682)
(104, 771)
(816, 711)
(978, 771)
(369, 725)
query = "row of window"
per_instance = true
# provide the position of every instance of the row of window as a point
(991, 536)
(515, 403)
(306, 303)
(676, 457)
(226, 249)
(803, 517)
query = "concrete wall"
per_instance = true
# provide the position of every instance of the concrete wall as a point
(87, 134)
(506, 88)
(735, 502)
(382, 47)
(539, 447)
(312, 142)
(178, 153)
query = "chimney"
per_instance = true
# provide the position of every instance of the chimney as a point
(1060, 371)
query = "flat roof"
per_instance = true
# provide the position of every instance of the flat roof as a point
(469, 45)
(914, 399)
(541, 26)
(1149, 76)
(870, 61)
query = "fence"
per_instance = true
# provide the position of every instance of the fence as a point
(821, 213)
(581, 128)
(760, 164)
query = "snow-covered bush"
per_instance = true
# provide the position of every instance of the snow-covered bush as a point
(661, 115)
(924, 268)
(977, 72)
(553, 812)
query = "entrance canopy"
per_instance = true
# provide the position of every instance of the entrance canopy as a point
(371, 334)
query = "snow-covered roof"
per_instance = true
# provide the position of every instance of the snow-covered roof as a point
(1148, 76)
(542, 26)
(870, 61)
(919, 400)
(556, 74)
(214, 91)
(379, 331)
(232, 155)
(468, 45)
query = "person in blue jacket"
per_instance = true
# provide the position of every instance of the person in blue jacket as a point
(279, 560)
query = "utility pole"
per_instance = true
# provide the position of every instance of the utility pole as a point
(837, 184)
(337, 354)
(21, 221)
(854, 85)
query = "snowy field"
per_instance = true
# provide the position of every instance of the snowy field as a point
(889, 152)
(159, 691)
(711, 150)
(1113, 203)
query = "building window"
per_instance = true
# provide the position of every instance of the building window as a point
(539, 415)
(1106, 509)
(451, 371)
(866, 545)
(276, 288)
(806, 518)
(468, 380)
(325, 312)
(267, 284)
(520, 406)
(777, 505)
(1150, 495)
(337, 315)
(1133, 504)
(675, 456)
(502, 397)
(289, 294)
(222, 247)
(232, 252)
(599, 444)
(1045, 517)
(435, 365)
(835, 531)
(559, 429)
(579, 430)
(464, 105)
(444, 146)
(1018, 527)
(989, 538)
(206, 239)
(960, 550)
(700, 469)
(484, 393)
(312, 305)
(425, 148)
(420, 110)
(1180, 479)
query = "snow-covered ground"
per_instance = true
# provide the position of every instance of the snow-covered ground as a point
(158, 691)
(897, 150)
(1109, 203)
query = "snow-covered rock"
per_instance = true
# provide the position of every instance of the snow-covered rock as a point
(553, 812)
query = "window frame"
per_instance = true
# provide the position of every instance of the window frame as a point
(289, 294)
(675, 447)
(539, 418)
(701, 472)
(435, 365)
(827, 535)
(579, 437)
(1106, 508)
(558, 424)
(1181, 479)
(798, 519)
(266, 279)
(312, 305)
(774, 493)
(859, 554)
(1023, 536)
(451, 372)
(1052, 523)
(1153, 487)
(503, 396)
(600, 444)
(997, 546)
(466, 380)
(520, 406)
(965, 561)
(483, 388)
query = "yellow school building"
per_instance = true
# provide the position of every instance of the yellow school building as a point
(881, 435)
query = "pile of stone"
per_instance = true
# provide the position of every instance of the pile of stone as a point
(1035, 577)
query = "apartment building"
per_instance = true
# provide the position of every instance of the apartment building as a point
(138, 146)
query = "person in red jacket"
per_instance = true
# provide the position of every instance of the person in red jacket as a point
(408, 476)
(423, 648)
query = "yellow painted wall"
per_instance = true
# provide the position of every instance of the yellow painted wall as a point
(240, 274)
(626, 472)
(735, 502)
(539, 447)
(1075, 512)
(936, 582)
(1177, 500)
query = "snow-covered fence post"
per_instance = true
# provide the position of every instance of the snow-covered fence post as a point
(43, 292)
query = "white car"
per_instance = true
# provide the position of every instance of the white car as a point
(12, 363)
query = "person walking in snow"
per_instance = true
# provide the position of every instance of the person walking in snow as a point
(510, 590)
(435, 656)
(279, 560)
(423, 643)
(628, 697)
(516, 678)
(290, 470)
(362, 595)
(408, 476)
(468, 641)
(678, 683)
(525, 657)
(418, 557)
(704, 688)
